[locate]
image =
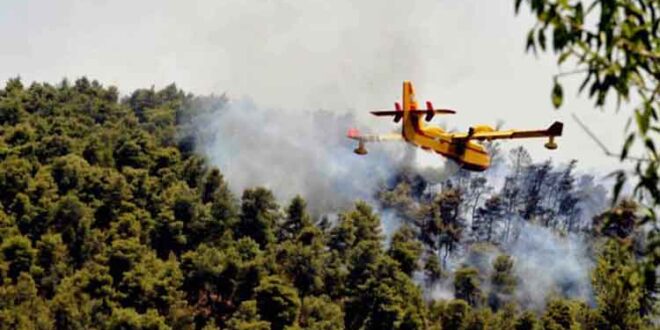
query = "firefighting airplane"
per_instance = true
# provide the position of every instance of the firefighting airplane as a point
(463, 148)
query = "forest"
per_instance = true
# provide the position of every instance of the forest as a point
(111, 220)
(114, 216)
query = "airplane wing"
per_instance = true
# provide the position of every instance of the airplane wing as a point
(362, 139)
(554, 130)
(354, 134)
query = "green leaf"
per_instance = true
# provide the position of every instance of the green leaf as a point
(541, 38)
(530, 41)
(557, 95)
(643, 121)
(579, 14)
(559, 38)
(563, 57)
(650, 145)
(585, 81)
(651, 109)
(626, 146)
(518, 2)
(618, 185)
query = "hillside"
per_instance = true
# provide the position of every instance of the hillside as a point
(110, 219)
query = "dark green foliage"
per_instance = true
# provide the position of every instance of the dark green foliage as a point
(109, 220)
(277, 302)
(382, 297)
(618, 287)
(432, 269)
(467, 285)
(502, 281)
(247, 317)
(304, 261)
(53, 262)
(526, 321)
(15, 174)
(22, 308)
(127, 318)
(558, 315)
(296, 219)
(259, 216)
(613, 47)
(71, 218)
(133, 151)
(486, 217)
(455, 314)
(619, 222)
(406, 250)
(18, 253)
(320, 313)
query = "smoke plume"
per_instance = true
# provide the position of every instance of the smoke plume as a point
(547, 263)
(304, 153)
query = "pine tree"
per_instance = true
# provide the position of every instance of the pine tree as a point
(18, 256)
(503, 282)
(487, 218)
(259, 216)
(297, 218)
(526, 321)
(247, 317)
(618, 287)
(467, 286)
(21, 307)
(432, 269)
(558, 315)
(277, 302)
(320, 313)
(406, 250)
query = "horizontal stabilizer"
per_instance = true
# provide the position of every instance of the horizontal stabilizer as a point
(381, 113)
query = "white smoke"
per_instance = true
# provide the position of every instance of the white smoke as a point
(305, 152)
(390, 222)
(547, 263)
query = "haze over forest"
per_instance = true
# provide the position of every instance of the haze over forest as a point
(186, 166)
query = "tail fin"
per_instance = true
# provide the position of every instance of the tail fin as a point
(409, 102)
(556, 129)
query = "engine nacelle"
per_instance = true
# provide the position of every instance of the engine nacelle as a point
(482, 129)
(360, 150)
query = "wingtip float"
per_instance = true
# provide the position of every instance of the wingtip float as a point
(463, 148)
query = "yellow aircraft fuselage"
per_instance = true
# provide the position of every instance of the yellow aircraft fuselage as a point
(462, 147)
(470, 154)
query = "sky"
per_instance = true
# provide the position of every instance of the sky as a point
(292, 55)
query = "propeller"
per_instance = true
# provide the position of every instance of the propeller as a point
(429, 111)
(398, 116)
